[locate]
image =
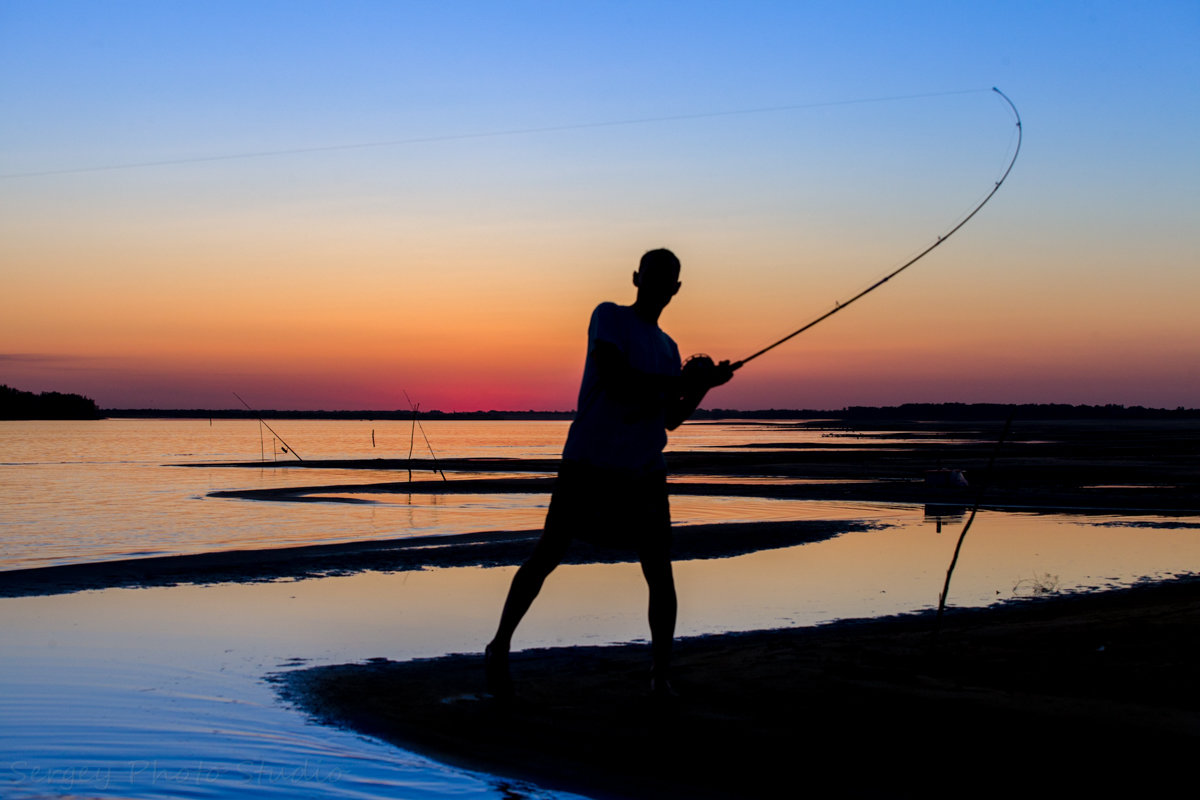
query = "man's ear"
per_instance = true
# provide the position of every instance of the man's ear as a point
(635, 277)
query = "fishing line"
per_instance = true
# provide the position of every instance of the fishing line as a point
(838, 306)
(482, 134)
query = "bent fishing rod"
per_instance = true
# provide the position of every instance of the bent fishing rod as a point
(937, 243)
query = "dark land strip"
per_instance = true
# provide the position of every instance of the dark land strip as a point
(484, 549)
(1086, 695)
(1130, 500)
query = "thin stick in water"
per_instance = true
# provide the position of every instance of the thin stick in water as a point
(261, 421)
(411, 437)
(958, 547)
(436, 467)
(432, 455)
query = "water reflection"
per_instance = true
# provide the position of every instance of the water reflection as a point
(944, 514)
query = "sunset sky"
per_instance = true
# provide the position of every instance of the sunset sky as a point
(323, 205)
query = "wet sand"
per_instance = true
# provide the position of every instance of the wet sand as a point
(1092, 694)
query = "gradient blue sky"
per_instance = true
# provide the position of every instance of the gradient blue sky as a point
(463, 270)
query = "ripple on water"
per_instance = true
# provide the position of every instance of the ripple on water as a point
(152, 731)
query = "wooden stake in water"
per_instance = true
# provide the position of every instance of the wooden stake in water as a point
(411, 438)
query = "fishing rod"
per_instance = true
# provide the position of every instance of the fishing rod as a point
(937, 243)
(287, 447)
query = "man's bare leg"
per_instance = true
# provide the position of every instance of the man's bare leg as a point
(656, 567)
(526, 585)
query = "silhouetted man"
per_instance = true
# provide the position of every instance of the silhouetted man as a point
(612, 486)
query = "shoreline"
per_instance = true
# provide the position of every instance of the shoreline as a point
(1090, 692)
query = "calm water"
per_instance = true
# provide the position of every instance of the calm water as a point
(161, 692)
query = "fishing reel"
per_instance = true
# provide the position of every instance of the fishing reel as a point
(700, 371)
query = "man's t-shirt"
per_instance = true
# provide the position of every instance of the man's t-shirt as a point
(615, 433)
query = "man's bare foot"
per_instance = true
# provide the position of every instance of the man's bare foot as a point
(495, 672)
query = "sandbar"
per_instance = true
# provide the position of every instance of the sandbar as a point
(482, 549)
(1086, 695)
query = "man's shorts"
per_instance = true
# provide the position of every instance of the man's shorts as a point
(610, 508)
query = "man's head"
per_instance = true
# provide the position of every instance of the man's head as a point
(657, 278)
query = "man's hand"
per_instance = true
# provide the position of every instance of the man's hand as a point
(700, 374)
(722, 373)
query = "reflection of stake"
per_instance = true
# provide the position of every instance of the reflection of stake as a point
(287, 447)
(978, 499)
(436, 468)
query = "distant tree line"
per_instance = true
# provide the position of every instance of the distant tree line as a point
(969, 411)
(907, 411)
(949, 412)
(15, 404)
(402, 414)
